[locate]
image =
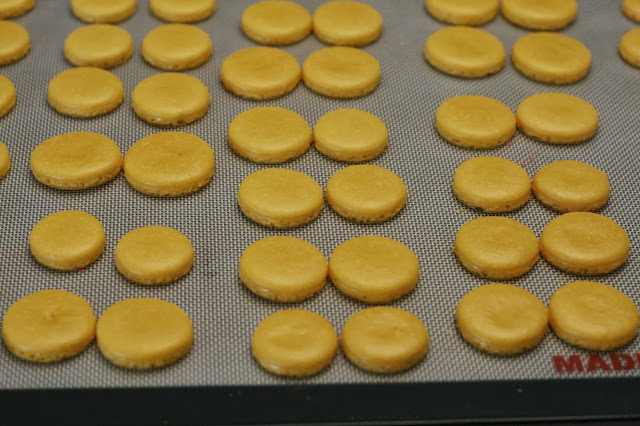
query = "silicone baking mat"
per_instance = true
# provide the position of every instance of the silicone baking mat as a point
(223, 312)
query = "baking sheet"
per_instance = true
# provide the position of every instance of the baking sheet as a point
(223, 312)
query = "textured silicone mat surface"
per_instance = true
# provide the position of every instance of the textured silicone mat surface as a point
(224, 313)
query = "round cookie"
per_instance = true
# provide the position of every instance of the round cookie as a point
(501, 319)
(350, 135)
(629, 47)
(154, 255)
(98, 45)
(182, 11)
(366, 193)
(496, 247)
(260, 73)
(144, 333)
(463, 12)
(283, 269)
(551, 58)
(269, 135)
(280, 198)
(584, 243)
(557, 118)
(276, 22)
(67, 240)
(631, 8)
(571, 186)
(341, 72)
(76, 160)
(15, 42)
(176, 47)
(545, 15)
(48, 326)
(103, 11)
(384, 339)
(169, 164)
(85, 92)
(374, 269)
(5, 160)
(593, 316)
(13, 8)
(492, 184)
(294, 342)
(465, 52)
(475, 122)
(170, 99)
(7, 96)
(347, 23)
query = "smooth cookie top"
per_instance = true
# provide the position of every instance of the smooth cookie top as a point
(7, 96)
(631, 8)
(103, 11)
(5, 160)
(629, 47)
(540, 14)
(15, 42)
(347, 23)
(176, 47)
(98, 45)
(276, 22)
(463, 12)
(182, 11)
(13, 8)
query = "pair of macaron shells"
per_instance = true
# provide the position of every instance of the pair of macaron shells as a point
(285, 198)
(371, 269)
(140, 333)
(498, 185)
(480, 122)
(296, 342)
(473, 53)
(344, 23)
(150, 255)
(166, 164)
(581, 243)
(504, 319)
(114, 11)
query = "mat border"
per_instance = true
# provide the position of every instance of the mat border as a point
(414, 403)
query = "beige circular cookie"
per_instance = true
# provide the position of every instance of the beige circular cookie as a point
(593, 316)
(10, 9)
(103, 11)
(170, 99)
(169, 164)
(366, 193)
(350, 135)
(492, 184)
(269, 135)
(183, 11)
(551, 58)
(5, 160)
(629, 47)
(475, 122)
(283, 269)
(176, 47)
(85, 92)
(76, 160)
(341, 72)
(280, 198)
(496, 247)
(294, 342)
(557, 118)
(463, 12)
(48, 326)
(260, 73)
(98, 45)
(384, 339)
(7, 96)
(15, 42)
(501, 319)
(374, 269)
(347, 23)
(154, 255)
(276, 22)
(144, 333)
(540, 14)
(571, 186)
(67, 240)
(631, 8)
(465, 52)
(584, 243)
